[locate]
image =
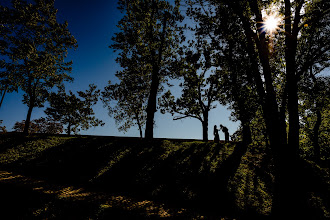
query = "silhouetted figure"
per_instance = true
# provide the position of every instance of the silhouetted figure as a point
(3, 129)
(225, 130)
(216, 134)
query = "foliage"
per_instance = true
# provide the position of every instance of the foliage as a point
(227, 56)
(315, 119)
(75, 112)
(148, 40)
(200, 87)
(37, 46)
(40, 125)
(8, 79)
(276, 61)
(130, 96)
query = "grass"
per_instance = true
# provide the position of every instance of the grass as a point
(130, 178)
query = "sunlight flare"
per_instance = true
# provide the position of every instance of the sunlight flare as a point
(272, 19)
(271, 24)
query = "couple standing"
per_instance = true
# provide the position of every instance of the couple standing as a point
(216, 133)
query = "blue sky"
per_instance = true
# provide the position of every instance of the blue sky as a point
(93, 23)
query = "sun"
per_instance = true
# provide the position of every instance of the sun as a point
(271, 23)
(272, 19)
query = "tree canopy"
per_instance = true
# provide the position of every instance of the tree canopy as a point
(36, 44)
(148, 39)
(126, 102)
(75, 112)
(200, 86)
(277, 63)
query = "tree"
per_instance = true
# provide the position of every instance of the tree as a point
(315, 101)
(8, 80)
(200, 88)
(75, 112)
(130, 97)
(275, 79)
(40, 125)
(37, 47)
(149, 36)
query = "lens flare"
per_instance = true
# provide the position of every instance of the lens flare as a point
(271, 23)
(272, 19)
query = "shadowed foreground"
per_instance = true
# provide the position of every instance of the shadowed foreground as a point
(24, 197)
(81, 177)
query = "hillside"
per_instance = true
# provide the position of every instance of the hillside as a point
(177, 179)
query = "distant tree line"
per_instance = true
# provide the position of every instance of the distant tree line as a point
(41, 125)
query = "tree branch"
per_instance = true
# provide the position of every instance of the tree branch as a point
(187, 116)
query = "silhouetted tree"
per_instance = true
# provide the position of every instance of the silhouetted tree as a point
(200, 87)
(8, 78)
(37, 47)
(149, 36)
(227, 56)
(275, 80)
(127, 101)
(75, 112)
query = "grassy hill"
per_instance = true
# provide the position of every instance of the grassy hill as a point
(183, 179)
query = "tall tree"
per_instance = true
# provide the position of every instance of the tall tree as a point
(126, 101)
(277, 91)
(149, 35)
(8, 80)
(200, 87)
(38, 45)
(75, 112)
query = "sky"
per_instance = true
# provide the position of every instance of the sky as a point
(93, 23)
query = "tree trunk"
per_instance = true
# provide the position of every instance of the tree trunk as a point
(152, 103)
(28, 119)
(315, 137)
(247, 137)
(288, 196)
(285, 186)
(140, 129)
(205, 124)
(139, 124)
(69, 128)
(317, 153)
(292, 81)
(293, 137)
(3, 95)
(31, 93)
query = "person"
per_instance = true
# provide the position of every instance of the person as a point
(3, 129)
(225, 131)
(216, 134)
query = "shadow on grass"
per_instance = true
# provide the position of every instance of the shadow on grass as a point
(28, 198)
(188, 175)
